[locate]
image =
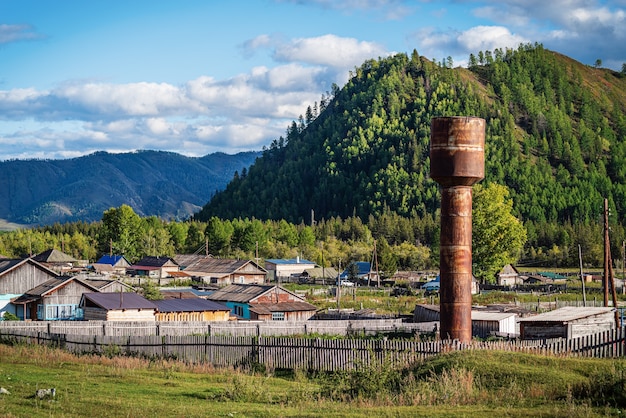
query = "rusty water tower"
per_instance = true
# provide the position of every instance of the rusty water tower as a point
(457, 161)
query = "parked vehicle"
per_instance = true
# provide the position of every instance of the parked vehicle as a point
(432, 286)
(346, 283)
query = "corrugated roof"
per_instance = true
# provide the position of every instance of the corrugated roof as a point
(189, 305)
(568, 313)
(151, 261)
(491, 316)
(220, 266)
(326, 272)
(266, 308)
(122, 300)
(240, 292)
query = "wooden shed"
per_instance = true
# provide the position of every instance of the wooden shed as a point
(117, 307)
(568, 322)
(191, 309)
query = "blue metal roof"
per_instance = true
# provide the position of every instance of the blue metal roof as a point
(109, 259)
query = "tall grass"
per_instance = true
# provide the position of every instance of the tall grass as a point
(465, 383)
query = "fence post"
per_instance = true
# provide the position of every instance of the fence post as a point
(104, 328)
(209, 329)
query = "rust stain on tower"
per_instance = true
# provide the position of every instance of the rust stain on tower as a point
(457, 161)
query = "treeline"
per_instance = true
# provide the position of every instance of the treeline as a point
(328, 242)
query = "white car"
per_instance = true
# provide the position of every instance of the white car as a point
(346, 283)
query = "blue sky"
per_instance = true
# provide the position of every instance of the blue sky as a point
(196, 77)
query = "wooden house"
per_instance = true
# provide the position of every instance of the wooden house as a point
(56, 260)
(222, 271)
(283, 268)
(56, 299)
(264, 302)
(509, 276)
(17, 276)
(568, 322)
(117, 307)
(111, 264)
(154, 268)
(191, 309)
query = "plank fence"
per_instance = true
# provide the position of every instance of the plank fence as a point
(305, 353)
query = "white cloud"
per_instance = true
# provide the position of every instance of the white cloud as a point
(488, 38)
(329, 50)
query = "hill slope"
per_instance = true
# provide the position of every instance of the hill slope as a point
(164, 184)
(555, 136)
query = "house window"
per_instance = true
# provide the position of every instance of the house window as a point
(61, 312)
(239, 310)
(278, 316)
(242, 279)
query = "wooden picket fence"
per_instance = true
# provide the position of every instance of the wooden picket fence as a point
(306, 353)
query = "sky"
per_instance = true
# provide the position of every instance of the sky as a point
(202, 76)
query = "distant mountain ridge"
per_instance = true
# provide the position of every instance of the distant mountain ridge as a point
(164, 184)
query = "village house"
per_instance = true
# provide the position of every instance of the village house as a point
(281, 269)
(509, 276)
(159, 268)
(117, 307)
(57, 260)
(222, 271)
(264, 302)
(17, 276)
(56, 299)
(191, 309)
(110, 264)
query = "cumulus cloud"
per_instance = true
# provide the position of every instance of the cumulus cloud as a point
(203, 115)
(329, 50)
(462, 43)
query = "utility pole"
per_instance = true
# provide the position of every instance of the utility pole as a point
(607, 248)
(582, 277)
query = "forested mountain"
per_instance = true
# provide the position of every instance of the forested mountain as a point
(556, 137)
(168, 185)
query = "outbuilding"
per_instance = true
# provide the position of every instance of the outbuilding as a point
(117, 307)
(568, 322)
(191, 309)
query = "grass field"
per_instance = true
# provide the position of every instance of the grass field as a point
(472, 384)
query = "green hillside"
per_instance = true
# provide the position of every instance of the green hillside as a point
(555, 137)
